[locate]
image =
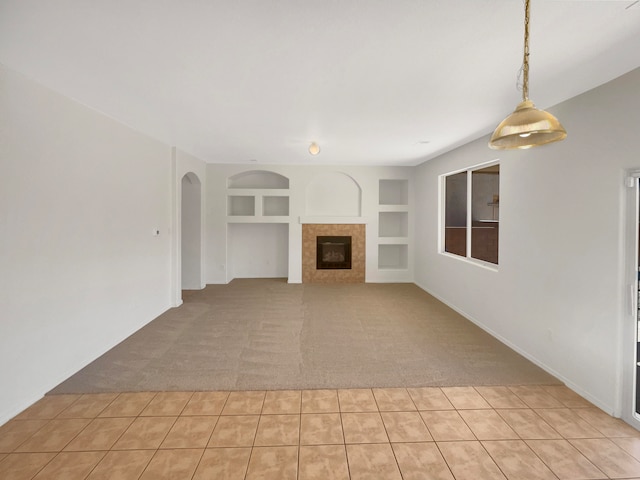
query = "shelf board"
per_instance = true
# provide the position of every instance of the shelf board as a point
(393, 240)
(393, 208)
(333, 220)
(258, 219)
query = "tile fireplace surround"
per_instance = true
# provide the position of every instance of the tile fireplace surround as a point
(312, 275)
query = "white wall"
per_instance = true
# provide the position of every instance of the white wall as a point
(258, 250)
(304, 200)
(558, 294)
(80, 269)
(333, 194)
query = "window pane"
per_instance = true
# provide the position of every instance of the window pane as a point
(455, 237)
(485, 213)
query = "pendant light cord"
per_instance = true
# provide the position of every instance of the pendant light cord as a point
(527, 126)
(525, 60)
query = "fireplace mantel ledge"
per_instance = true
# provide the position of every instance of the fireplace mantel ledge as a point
(333, 220)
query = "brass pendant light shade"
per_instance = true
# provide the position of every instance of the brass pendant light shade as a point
(527, 126)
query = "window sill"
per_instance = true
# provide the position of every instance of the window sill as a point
(473, 261)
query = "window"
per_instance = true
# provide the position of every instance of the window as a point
(472, 214)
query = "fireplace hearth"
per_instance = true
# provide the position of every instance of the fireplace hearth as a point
(351, 269)
(333, 252)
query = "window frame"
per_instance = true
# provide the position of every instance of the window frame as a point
(469, 220)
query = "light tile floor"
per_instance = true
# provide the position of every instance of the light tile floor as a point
(525, 432)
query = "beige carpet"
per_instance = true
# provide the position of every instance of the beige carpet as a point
(266, 334)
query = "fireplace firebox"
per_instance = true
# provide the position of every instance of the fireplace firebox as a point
(333, 253)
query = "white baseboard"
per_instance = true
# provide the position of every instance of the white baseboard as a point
(576, 388)
(33, 397)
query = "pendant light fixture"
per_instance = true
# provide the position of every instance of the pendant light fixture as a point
(527, 126)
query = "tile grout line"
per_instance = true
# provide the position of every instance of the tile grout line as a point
(476, 436)
(47, 422)
(494, 460)
(157, 449)
(549, 466)
(68, 443)
(262, 414)
(255, 435)
(523, 440)
(393, 452)
(344, 438)
(299, 435)
(121, 435)
(204, 450)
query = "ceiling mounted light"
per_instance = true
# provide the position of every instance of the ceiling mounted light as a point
(314, 148)
(527, 126)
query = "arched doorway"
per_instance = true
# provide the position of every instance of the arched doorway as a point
(191, 239)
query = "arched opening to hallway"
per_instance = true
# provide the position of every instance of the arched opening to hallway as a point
(191, 236)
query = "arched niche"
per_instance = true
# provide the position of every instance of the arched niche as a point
(258, 179)
(333, 194)
(191, 178)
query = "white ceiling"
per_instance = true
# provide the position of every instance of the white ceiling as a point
(374, 82)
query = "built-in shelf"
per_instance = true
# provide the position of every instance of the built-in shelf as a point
(275, 206)
(332, 220)
(258, 219)
(393, 224)
(393, 257)
(241, 205)
(393, 241)
(258, 197)
(255, 204)
(393, 208)
(393, 192)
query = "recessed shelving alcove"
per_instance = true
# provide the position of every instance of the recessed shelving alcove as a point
(275, 205)
(241, 205)
(393, 257)
(258, 221)
(393, 225)
(258, 196)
